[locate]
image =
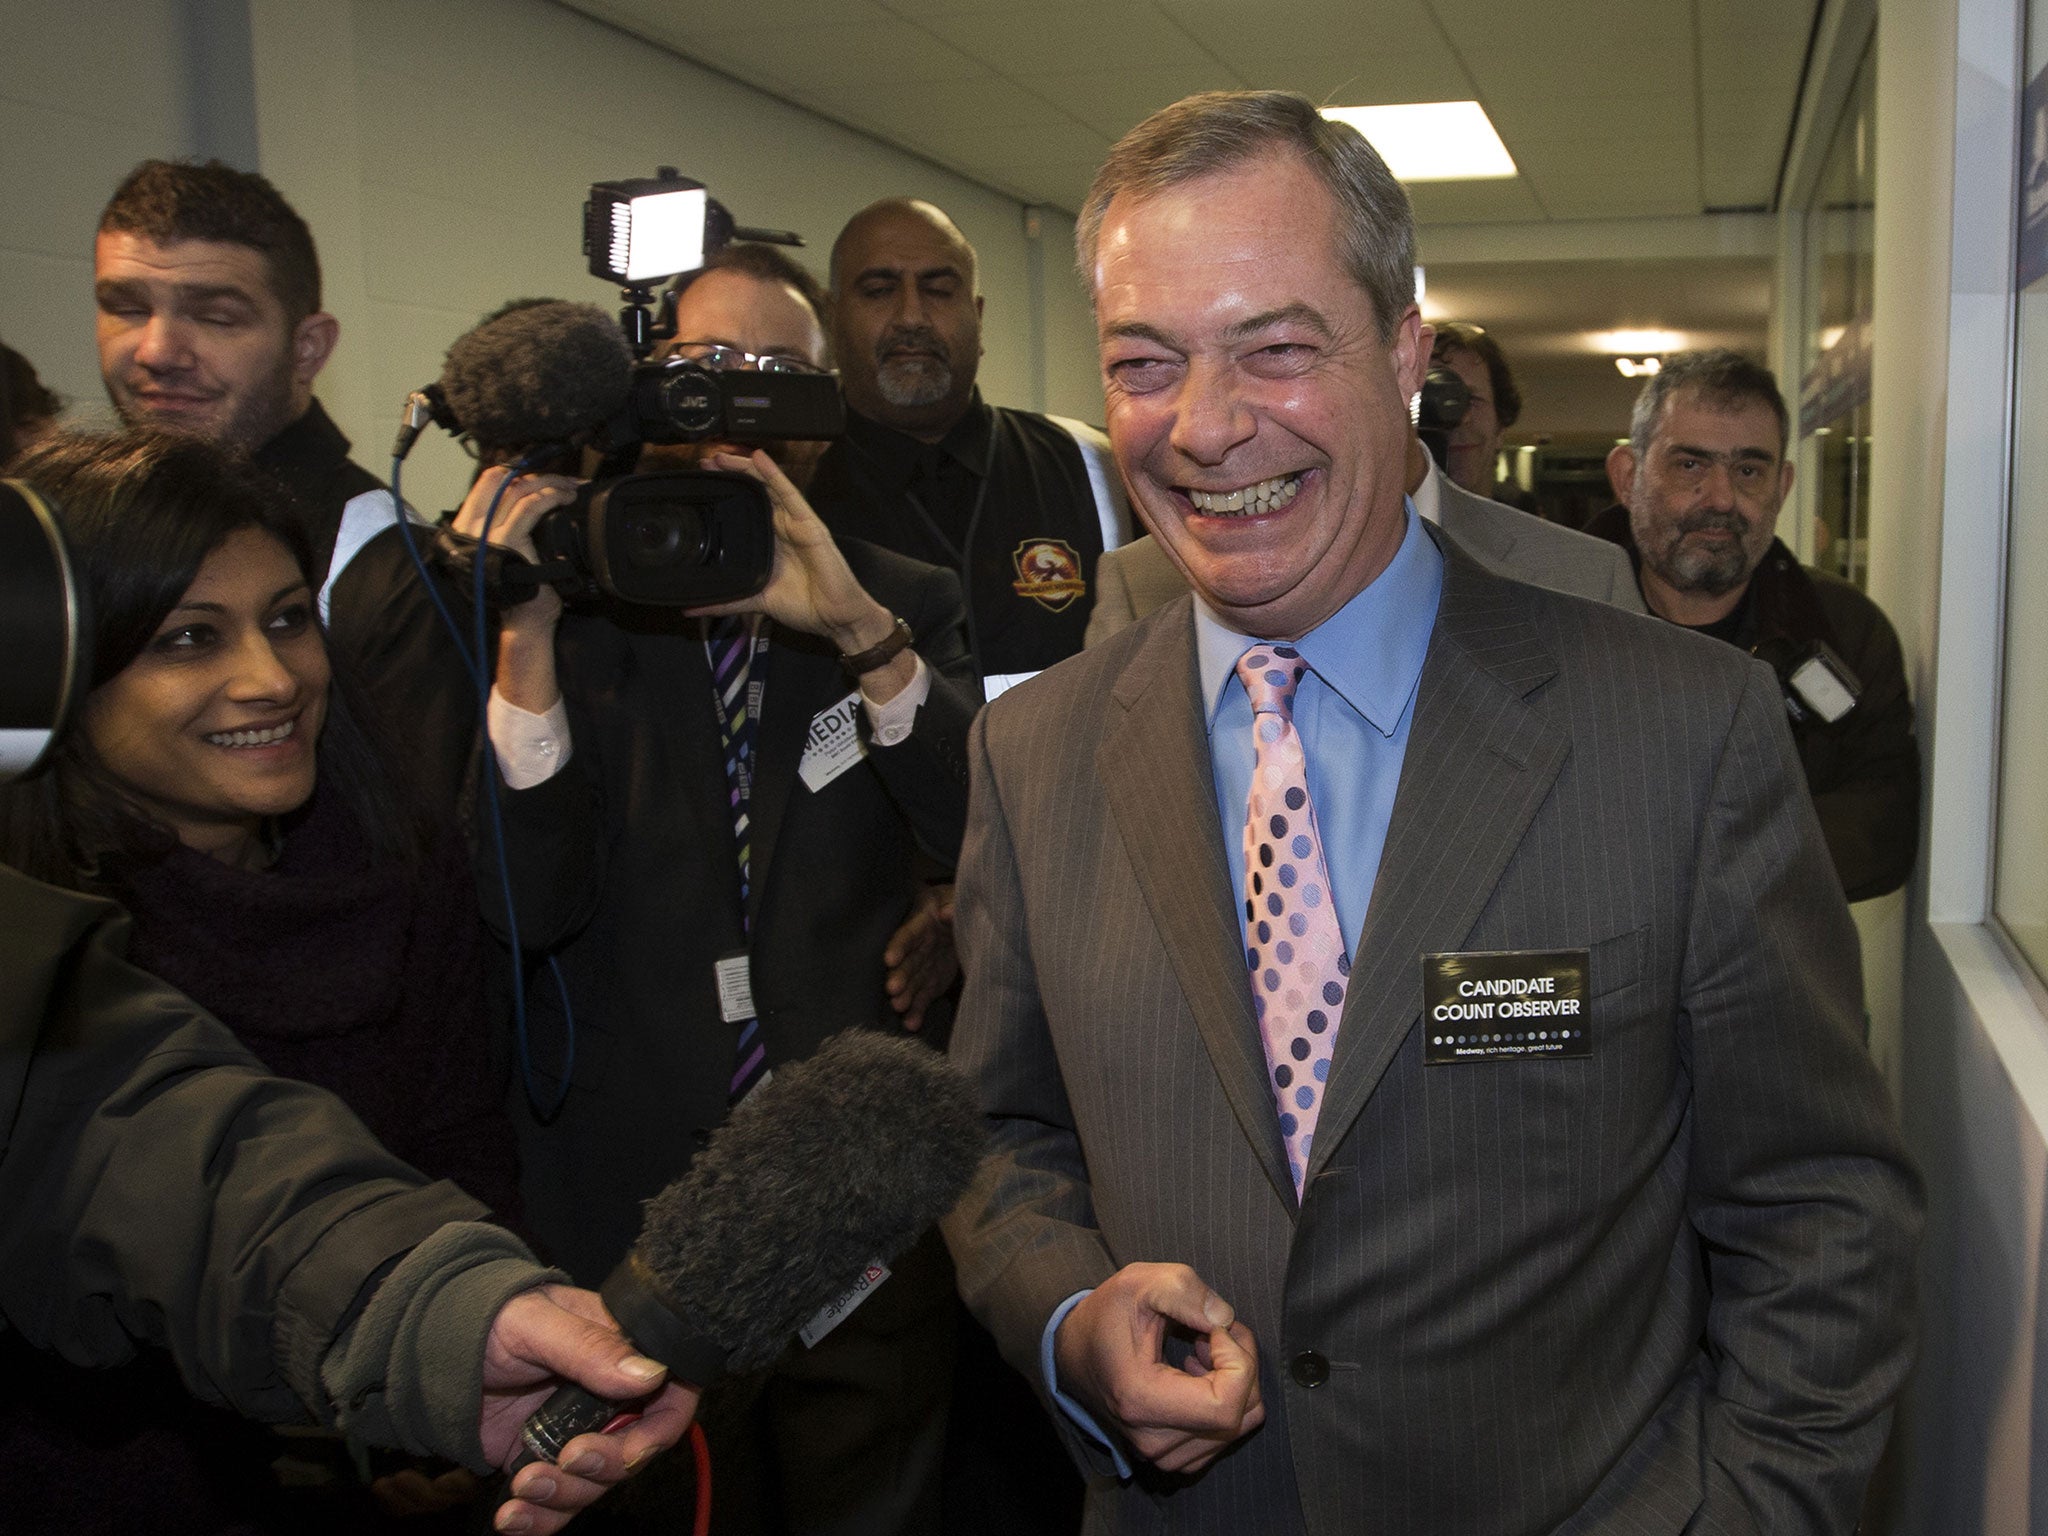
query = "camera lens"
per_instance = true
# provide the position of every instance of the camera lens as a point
(660, 536)
(690, 404)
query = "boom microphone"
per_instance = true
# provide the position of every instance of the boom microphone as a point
(829, 1164)
(537, 372)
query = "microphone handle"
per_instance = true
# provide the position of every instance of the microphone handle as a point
(637, 1304)
(570, 1412)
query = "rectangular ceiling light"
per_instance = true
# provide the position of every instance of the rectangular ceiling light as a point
(1431, 140)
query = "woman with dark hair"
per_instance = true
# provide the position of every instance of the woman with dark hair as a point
(218, 786)
(28, 407)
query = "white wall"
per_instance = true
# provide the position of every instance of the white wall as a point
(440, 153)
(1972, 1446)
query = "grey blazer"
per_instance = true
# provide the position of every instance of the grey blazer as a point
(1664, 1288)
(1130, 582)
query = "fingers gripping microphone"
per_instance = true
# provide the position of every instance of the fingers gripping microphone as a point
(831, 1162)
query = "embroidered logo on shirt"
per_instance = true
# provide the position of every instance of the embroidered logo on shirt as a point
(1048, 572)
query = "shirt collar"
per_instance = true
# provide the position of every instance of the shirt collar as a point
(1428, 497)
(897, 456)
(1370, 651)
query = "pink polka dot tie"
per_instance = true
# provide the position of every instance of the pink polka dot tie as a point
(1291, 939)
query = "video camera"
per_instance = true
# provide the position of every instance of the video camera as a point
(1439, 410)
(542, 382)
(44, 631)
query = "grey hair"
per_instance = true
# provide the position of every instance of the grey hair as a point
(1723, 380)
(1219, 130)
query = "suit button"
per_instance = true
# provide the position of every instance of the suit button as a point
(1309, 1369)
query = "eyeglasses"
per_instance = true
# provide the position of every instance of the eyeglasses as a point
(720, 358)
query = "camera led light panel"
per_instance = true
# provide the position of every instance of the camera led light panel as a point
(641, 232)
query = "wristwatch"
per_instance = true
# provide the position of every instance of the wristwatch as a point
(898, 641)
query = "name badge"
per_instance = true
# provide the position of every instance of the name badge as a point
(1504, 1003)
(834, 744)
(840, 1307)
(735, 987)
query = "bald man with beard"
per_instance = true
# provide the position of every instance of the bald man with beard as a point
(1018, 504)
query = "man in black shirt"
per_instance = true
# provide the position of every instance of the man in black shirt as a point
(208, 290)
(1018, 504)
(1701, 480)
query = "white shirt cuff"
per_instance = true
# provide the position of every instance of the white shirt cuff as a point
(891, 722)
(1082, 1419)
(531, 748)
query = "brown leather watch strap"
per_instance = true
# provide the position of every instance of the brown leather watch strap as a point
(863, 662)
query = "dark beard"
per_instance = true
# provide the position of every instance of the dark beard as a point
(1713, 571)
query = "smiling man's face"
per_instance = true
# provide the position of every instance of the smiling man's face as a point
(1259, 418)
(193, 339)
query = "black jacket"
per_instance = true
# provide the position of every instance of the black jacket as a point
(158, 1186)
(1863, 771)
(624, 872)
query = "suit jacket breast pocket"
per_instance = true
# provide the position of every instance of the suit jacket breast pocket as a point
(1616, 964)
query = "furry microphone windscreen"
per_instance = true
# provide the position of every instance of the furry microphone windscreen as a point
(537, 373)
(835, 1160)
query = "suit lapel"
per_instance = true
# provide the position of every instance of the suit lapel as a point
(1487, 539)
(1155, 770)
(1480, 761)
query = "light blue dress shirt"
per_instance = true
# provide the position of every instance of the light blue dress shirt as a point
(1353, 711)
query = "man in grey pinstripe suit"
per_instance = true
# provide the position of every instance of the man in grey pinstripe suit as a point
(1650, 1274)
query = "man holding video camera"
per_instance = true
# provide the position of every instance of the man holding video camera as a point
(712, 823)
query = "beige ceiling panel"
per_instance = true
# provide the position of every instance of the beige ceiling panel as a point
(1741, 170)
(677, 22)
(1524, 118)
(1765, 65)
(889, 57)
(1754, 18)
(1355, 77)
(1114, 101)
(1054, 140)
(1619, 198)
(1605, 29)
(1741, 112)
(1587, 78)
(928, 112)
(1056, 39)
(1240, 35)
(1059, 185)
(1474, 202)
(926, 10)
(1558, 299)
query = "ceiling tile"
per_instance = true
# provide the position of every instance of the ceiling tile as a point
(1342, 77)
(674, 23)
(1112, 102)
(884, 58)
(1617, 197)
(1615, 31)
(1054, 39)
(1052, 140)
(1244, 36)
(928, 112)
(1589, 79)
(1473, 202)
